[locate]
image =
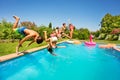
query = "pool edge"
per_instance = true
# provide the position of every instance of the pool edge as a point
(14, 55)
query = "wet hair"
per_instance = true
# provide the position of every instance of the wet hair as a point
(50, 50)
(39, 40)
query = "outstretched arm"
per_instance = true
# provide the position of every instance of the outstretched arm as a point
(30, 43)
(45, 36)
(21, 42)
(115, 47)
(47, 40)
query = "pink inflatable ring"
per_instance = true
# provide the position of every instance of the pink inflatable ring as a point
(90, 43)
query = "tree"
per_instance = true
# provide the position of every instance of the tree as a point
(109, 22)
(5, 29)
(50, 25)
(44, 28)
(97, 33)
(75, 33)
(106, 23)
(28, 24)
(116, 31)
(83, 33)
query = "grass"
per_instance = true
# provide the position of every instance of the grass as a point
(106, 41)
(8, 48)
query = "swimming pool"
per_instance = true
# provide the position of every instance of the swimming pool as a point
(75, 62)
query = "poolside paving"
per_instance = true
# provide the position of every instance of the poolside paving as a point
(15, 55)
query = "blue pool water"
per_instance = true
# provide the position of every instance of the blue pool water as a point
(75, 62)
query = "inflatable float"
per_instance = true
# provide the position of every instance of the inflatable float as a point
(108, 46)
(73, 42)
(90, 43)
(70, 41)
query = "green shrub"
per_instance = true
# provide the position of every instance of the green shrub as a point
(109, 37)
(102, 36)
(115, 37)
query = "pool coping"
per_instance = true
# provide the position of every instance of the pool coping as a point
(14, 55)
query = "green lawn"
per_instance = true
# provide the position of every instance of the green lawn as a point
(8, 48)
(106, 41)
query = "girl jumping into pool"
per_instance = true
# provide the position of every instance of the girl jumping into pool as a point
(27, 33)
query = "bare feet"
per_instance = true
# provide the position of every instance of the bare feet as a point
(18, 53)
(15, 17)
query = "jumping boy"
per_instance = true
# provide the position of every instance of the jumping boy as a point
(27, 33)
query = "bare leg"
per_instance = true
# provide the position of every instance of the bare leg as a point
(71, 34)
(66, 35)
(16, 21)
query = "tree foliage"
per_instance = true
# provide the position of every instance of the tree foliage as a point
(83, 33)
(6, 31)
(28, 24)
(50, 25)
(109, 23)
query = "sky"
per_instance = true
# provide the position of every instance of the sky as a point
(81, 13)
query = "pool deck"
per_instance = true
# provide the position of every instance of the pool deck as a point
(14, 55)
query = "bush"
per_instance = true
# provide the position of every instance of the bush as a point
(115, 37)
(83, 33)
(109, 37)
(102, 36)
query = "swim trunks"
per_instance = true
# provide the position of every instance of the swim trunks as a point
(20, 31)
